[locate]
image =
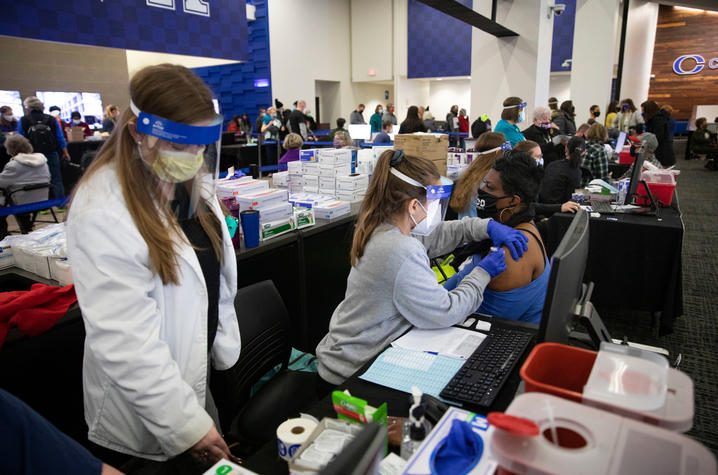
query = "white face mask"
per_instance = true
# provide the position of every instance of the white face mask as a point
(539, 162)
(432, 220)
(55, 113)
(8, 117)
(76, 121)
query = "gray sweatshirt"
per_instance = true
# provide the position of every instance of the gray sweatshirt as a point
(25, 169)
(393, 288)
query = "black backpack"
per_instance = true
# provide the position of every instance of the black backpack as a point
(41, 134)
(480, 125)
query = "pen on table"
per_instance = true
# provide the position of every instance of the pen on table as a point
(611, 219)
(435, 353)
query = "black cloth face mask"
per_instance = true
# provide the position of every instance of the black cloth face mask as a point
(486, 204)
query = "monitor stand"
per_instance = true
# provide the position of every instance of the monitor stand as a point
(597, 332)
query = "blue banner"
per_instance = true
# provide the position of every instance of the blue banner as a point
(212, 28)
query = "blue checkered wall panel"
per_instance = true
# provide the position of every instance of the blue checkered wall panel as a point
(562, 48)
(133, 24)
(233, 84)
(438, 45)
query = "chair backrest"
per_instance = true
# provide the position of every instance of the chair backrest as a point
(264, 329)
(28, 193)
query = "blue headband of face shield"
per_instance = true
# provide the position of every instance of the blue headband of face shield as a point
(520, 106)
(433, 192)
(176, 132)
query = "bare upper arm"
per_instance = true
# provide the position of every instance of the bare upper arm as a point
(519, 273)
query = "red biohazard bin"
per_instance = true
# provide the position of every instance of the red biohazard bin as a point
(558, 369)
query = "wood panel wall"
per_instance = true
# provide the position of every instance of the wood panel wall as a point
(684, 32)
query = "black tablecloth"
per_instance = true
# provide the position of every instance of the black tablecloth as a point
(635, 261)
(77, 149)
(267, 462)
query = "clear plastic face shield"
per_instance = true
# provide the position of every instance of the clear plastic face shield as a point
(183, 158)
(521, 107)
(437, 202)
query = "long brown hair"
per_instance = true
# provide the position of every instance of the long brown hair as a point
(466, 186)
(175, 93)
(387, 195)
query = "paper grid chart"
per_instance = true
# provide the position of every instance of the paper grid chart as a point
(401, 369)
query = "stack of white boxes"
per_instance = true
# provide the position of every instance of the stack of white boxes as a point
(331, 209)
(295, 180)
(310, 172)
(322, 174)
(240, 186)
(280, 179)
(352, 187)
(272, 204)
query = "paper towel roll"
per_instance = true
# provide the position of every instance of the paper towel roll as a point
(291, 434)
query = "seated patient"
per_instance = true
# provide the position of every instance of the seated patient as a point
(507, 194)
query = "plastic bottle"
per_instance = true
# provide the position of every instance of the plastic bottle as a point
(414, 430)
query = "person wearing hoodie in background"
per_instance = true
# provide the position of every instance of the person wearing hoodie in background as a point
(24, 168)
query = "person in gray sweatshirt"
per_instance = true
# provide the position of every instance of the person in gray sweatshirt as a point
(391, 286)
(24, 168)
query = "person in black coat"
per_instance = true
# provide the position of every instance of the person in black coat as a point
(541, 132)
(658, 123)
(562, 177)
(412, 123)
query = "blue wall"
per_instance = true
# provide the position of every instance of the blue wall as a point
(438, 45)
(218, 32)
(563, 36)
(233, 84)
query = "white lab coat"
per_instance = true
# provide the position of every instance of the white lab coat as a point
(145, 361)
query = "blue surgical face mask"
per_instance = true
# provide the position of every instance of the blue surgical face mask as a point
(380, 111)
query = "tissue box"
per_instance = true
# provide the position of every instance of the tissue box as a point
(311, 168)
(275, 213)
(262, 199)
(302, 217)
(352, 182)
(331, 209)
(273, 229)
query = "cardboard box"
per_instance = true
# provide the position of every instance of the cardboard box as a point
(308, 155)
(311, 180)
(261, 200)
(228, 189)
(7, 258)
(275, 213)
(434, 147)
(327, 183)
(280, 179)
(295, 167)
(331, 209)
(350, 196)
(352, 182)
(297, 465)
(311, 168)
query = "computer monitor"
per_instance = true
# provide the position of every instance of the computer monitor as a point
(86, 103)
(620, 141)
(360, 131)
(568, 300)
(12, 99)
(635, 179)
(362, 455)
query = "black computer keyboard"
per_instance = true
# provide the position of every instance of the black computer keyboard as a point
(483, 375)
(603, 207)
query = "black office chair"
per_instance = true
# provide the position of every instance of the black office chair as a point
(29, 193)
(264, 327)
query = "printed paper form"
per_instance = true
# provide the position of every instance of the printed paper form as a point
(452, 342)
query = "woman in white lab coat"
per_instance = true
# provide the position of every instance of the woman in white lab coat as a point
(155, 274)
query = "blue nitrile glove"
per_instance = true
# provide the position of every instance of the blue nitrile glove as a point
(453, 281)
(494, 263)
(502, 235)
(458, 452)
